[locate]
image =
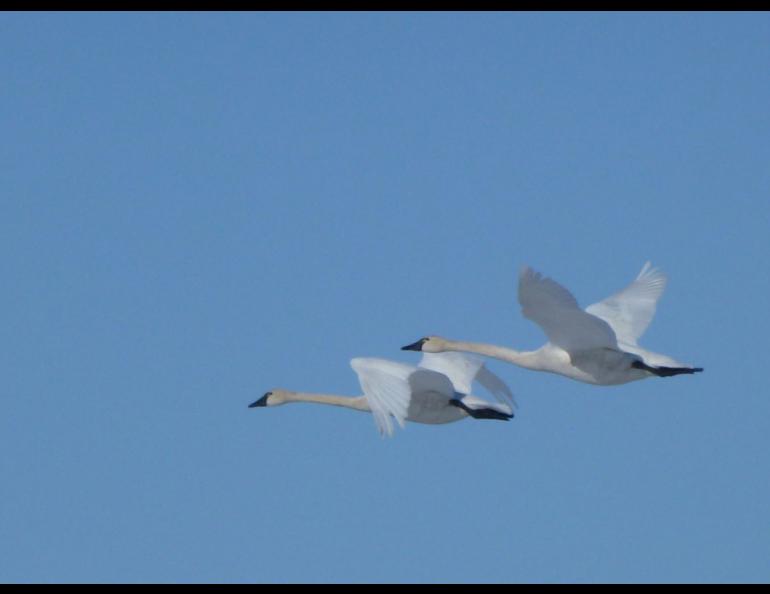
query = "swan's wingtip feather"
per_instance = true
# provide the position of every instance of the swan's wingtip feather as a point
(526, 271)
(648, 270)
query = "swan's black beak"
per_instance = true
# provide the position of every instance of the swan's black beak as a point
(415, 346)
(261, 402)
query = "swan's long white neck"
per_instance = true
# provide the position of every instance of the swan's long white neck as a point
(358, 403)
(528, 359)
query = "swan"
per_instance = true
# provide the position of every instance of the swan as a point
(434, 392)
(597, 345)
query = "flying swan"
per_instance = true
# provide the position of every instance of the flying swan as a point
(597, 345)
(435, 392)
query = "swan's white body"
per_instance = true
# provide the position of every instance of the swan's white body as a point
(435, 392)
(597, 345)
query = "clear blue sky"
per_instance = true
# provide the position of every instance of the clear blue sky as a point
(196, 208)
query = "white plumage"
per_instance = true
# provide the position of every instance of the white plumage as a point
(598, 345)
(435, 392)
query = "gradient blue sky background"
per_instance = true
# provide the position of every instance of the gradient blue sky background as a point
(196, 208)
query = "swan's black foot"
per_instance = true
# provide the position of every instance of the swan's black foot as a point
(665, 371)
(481, 413)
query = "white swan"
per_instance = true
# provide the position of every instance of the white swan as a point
(438, 391)
(597, 346)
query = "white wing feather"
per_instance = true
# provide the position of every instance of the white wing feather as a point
(630, 311)
(496, 386)
(462, 369)
(389, 387)
(555, 310)
(386, 387)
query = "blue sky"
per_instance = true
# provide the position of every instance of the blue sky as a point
(196, 208)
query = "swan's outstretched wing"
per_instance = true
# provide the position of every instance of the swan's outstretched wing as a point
(462, 369)
(631, 310)
(555, 310)
(386, 387)
(389, 387)
(496, 386)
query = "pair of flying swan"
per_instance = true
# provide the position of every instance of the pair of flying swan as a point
(597, 345)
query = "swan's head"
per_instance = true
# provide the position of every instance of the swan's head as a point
(272, 398)
(428, 344)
